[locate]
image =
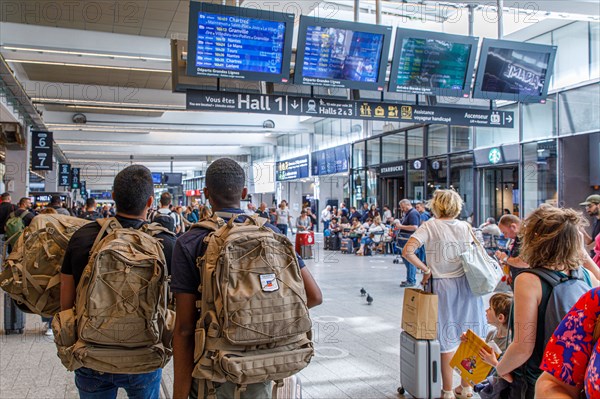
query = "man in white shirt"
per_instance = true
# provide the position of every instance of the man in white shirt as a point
(326, 217)
(164, 213)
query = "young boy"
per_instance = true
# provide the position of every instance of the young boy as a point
(497, 316)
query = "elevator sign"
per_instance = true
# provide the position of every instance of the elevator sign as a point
(41, 150)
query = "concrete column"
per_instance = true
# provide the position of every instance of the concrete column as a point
(51, 182)
(16, 178)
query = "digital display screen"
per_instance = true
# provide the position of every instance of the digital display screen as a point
(342, 54)
(234, 42)
(172, 179)
(330, 161)
(433, 64)
(292, 169)
(514, 71)
(156, 178)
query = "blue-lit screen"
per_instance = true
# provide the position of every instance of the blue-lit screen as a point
(342, 54)
(239, 44)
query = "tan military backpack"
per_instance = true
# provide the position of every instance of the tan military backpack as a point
(31, 274)
(120, 323)
(254, 324)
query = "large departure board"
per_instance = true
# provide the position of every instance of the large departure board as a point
(238, 43)
(432, 64)
(341, 54)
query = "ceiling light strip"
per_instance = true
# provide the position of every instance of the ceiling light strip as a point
(99, 103)
(68, 64)
(83, 53)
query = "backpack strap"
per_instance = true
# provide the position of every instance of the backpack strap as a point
(154, 229)
(553, 278)
(107, 225)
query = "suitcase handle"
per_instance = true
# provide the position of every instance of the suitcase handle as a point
(435, 372)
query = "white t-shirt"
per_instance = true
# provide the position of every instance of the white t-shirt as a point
(444, 241)
(283, 216)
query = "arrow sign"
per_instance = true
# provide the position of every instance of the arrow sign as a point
(295, 105)
(509, 118)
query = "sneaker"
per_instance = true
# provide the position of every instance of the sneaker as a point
(406, 284)
(49, 332)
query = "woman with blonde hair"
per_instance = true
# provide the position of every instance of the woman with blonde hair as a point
(445, 238)
(551, 240)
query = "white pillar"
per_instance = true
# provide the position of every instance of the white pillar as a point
(51, 181)
(16, 178)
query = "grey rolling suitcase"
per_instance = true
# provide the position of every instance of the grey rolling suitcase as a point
(14, 318)
(420, 368)
(291, 389)
(347, 246)
(306, 251)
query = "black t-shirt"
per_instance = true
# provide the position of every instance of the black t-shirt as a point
(80, 245)
(6, 208)
(595, 232)
(87, 215)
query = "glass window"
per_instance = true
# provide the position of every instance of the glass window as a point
(461, 138)
(372, 186)
(595, 47)
(572, 57)
(579, 110)
(461, 179)
(373, 157)
(437, 173)
(437, 140)
(545, 39)
(491, 136)
(358, 155)
(416, 185)
(539, 120)
(358, 185)
(393, 147)
(539, 175)
(414, 143)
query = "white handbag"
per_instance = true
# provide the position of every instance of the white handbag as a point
(483, 273)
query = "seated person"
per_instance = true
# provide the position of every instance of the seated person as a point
(345, 227)
(365, 242)
(377, 229)
(334, 226)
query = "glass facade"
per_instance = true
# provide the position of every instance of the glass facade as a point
(414, 143)
(373, 152)
(393, 147)
(493, 136)
(540, 180)
(539, 120)
(461, 138)
(437, 140)
(358, 155)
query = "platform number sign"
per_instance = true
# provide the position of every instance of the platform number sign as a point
(75, 178)
(64, 175)
(82, 189)
(41, 150)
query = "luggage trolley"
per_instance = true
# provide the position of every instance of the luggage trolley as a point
(399, 243)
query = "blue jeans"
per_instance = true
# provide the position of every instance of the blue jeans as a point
(411, 272)
(325, 225)
(283, 228)
(95, 385)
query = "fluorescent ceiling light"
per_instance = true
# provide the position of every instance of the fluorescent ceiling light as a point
(86, 54)
(117, 108)
(88, 66)
(99, 103)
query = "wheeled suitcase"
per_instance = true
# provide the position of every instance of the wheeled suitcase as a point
(291, 389)
(14, 318)
(347, 246)
(306, 251)
(420, 369)
(333, 243)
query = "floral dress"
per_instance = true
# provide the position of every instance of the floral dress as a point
(571, 355)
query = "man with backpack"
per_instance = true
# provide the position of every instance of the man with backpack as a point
(90, 212)
(18, 220)
(164, 216)
(115, 270)
(56, 203)
(6, 208)
(277, 287)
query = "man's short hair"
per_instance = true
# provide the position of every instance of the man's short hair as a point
(507, 220)
(491, 220)
(225, 181)
(405, 202)
(55, 200)
(5, 196)
(165, 199)
(90, 202)
(24, 200)
(132, 188)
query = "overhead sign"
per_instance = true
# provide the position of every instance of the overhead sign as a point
(64, 175)
(199, 100)
(75, 178)
(296, 168)
(83, 189)
(395, 169)
(41, 150)
(331, 161)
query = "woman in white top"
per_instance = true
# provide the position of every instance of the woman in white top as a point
(445, 238)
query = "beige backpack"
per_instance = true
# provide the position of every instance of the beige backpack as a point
(31, 274)
(254, 324)
(120, 323)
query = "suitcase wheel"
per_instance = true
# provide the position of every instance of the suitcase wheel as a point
(12, 332)
(401, 391)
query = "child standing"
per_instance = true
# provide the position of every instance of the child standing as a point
(497, 315)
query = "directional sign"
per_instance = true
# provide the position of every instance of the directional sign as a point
(82, 189)
(197, 100)
(41, 150)
(64, 175)
(75, 178)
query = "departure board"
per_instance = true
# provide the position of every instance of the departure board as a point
(225, 43)
(342, 54)
(425, 63)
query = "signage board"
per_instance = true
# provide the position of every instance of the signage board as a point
(214, 101)
(64, 175)
(292, 169)
(41, 150)
(392, 169)
(330, 161)
(82, 189)
(75, 178)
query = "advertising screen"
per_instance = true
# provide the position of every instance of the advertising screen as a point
(342, 54)
(433, 64)
(239, 43)
(514, 71)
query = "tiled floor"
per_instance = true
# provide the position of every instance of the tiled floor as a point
(357, 345)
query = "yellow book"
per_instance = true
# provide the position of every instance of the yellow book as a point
(468, 363)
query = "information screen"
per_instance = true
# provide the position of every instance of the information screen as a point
(514, 71)
(234, 42)
(432, 64)
(330, 161)
(342, 54)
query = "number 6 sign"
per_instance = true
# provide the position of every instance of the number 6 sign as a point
(41, 150)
